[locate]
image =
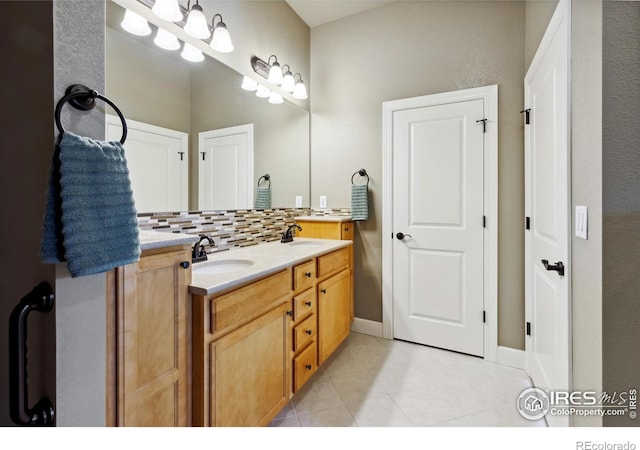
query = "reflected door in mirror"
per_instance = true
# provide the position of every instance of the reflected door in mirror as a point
(225, 168)
(158, 161)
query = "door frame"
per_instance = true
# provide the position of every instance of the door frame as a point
(561, 14)
(490, 96)
(229, 131)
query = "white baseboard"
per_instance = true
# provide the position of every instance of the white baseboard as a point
(364, 326)
(511, 357)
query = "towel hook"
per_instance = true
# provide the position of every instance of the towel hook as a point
(84, 99)
(266, 177)
(362, 173)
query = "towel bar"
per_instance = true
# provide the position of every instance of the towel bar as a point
(362, 173)
(84, 99)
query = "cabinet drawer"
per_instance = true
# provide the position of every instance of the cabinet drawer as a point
(304, 303)
(333, 262)
(246, 303)
(304, 275)
(304, 365)
(304, 332)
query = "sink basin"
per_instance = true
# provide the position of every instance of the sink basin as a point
(224, 266)
(304, 244)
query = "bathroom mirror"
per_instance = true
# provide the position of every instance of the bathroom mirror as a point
(159, 88)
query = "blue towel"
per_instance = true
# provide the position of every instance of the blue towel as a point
(263, 197)
(359, 202)
(90, 219)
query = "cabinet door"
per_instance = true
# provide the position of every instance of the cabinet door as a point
(250, 371)
(334, 313)
(152, 328)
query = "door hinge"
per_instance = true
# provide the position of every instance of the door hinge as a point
(203, 153)
(527, 223)
(484, 221)
(484, 316)
(528, 328)
(484, 124)
(527, 115)
(181, 155)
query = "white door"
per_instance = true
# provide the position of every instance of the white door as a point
(547, 206)
(225, 168)
(158, 161)
(438, 195)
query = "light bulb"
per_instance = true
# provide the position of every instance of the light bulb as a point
(275, 98)
(166, 40)
(196, 25)
(249, 84)
(300, 91)
(275, 74)
(191, 53)
(135, 24)
(168, 10)
(221, 41)
(263, 92)
(288, 83)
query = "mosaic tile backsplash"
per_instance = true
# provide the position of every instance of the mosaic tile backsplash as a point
(229, 229)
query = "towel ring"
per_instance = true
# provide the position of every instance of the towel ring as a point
(266, 177)
(362, 173)
(84, 99)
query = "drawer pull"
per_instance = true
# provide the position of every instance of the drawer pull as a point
(308, 304)
(308, 274)
(184, 264)
(308, 332)
(324, 291)
(290, 313)
(309, 366)
(346, 229)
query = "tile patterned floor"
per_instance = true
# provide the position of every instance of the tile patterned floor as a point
(373, 382)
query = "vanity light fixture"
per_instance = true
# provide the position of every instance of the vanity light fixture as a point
(300, 91)
(168, 10)
(135, 24)
(191, 53)
(166, 40)
(288, 83)
(249, 84)
(196, 25)
(221, 40)
(275, 98)
(275, 73)
(263, 91)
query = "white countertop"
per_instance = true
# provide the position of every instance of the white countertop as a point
(155, 239)
(324, 218)
(268, 258)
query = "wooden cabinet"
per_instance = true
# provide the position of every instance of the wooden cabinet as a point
(305, 323)
(241, 348)
(334, 308)
(151, 340)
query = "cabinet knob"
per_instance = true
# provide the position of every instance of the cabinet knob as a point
(308, 274)
(308, 332)
(309, 366)
(290, 313)
(324, 291)
(346, 229)
(308, 304)
(184, 264)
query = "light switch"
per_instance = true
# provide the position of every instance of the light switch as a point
(323, 201)
(298, 201)
(582, 219)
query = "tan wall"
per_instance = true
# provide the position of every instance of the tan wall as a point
(537, 14)
(621, 200)
(586, 189)
(408, 49)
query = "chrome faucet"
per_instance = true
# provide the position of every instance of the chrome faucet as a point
(199, 253)
(287, 236)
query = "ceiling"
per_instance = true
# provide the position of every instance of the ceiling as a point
(317, 12)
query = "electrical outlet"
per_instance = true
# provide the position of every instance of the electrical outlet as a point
(323, 201)
(298, 201)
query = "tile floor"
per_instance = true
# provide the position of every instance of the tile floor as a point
(373, 382)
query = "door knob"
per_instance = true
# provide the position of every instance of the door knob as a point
(558, 267)
(401, 236)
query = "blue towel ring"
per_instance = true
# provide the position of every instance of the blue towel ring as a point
(84, 99)
(266, 177)
(362, 173)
